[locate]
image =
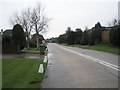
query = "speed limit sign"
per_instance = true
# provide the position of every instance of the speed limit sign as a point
(43, 41)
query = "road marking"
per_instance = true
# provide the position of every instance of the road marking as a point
(94, 59)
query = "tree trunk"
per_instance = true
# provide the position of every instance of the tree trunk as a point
(37, 33)
(37, 42)
(28, 43)
(28, 46)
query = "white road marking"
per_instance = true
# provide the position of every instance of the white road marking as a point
(94, 59)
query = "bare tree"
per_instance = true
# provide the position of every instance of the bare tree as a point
(24, 20)
(115, 22)
(32, 20)
(119, 22)
(26, 17)
(39, 20)
(16, 19)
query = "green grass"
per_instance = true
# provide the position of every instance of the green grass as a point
(100, 47)
(18, 73)
(31, 52)
(104, 48)
(34, 49)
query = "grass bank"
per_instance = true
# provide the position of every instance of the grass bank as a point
(104, 48)
(21, 73)
(34, 49)
(30, 52)
(100, 47)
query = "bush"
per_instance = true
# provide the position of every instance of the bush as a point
(32, 44)
(62, 38)
(115, 36)
(77, 41)
(84, 40)
(18, 36)
(95, 36)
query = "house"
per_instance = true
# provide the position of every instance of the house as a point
(8, 46)
(7, 32)
(105, 31)
(40, 37)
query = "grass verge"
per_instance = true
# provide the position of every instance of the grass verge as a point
(20, 73)
(104, 48)
(100, 47)
(34, 49)
(31, 52)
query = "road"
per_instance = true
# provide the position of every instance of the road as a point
(72, 67)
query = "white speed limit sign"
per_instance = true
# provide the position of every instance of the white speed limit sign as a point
(43, 41)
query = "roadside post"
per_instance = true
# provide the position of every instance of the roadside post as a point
(41, 69)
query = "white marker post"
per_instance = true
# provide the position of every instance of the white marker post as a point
(41, 69)
(45, 59)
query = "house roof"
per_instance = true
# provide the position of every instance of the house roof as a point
(7, 32)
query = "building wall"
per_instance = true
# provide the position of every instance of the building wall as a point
(9, 48)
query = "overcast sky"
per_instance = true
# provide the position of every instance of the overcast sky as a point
(64, 13)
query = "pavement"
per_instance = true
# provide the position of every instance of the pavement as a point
(23, 55)
(72, 67)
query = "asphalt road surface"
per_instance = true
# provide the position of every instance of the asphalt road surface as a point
(72, 67)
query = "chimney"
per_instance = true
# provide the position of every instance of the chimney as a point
(1, 31)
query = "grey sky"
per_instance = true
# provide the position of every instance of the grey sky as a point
(64, 13)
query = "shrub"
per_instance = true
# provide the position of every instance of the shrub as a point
(32, 43)
(115, 36)
(18, 36)
(84, 40)
(95, 36)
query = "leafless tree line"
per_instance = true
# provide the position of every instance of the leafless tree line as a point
(31, 19)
